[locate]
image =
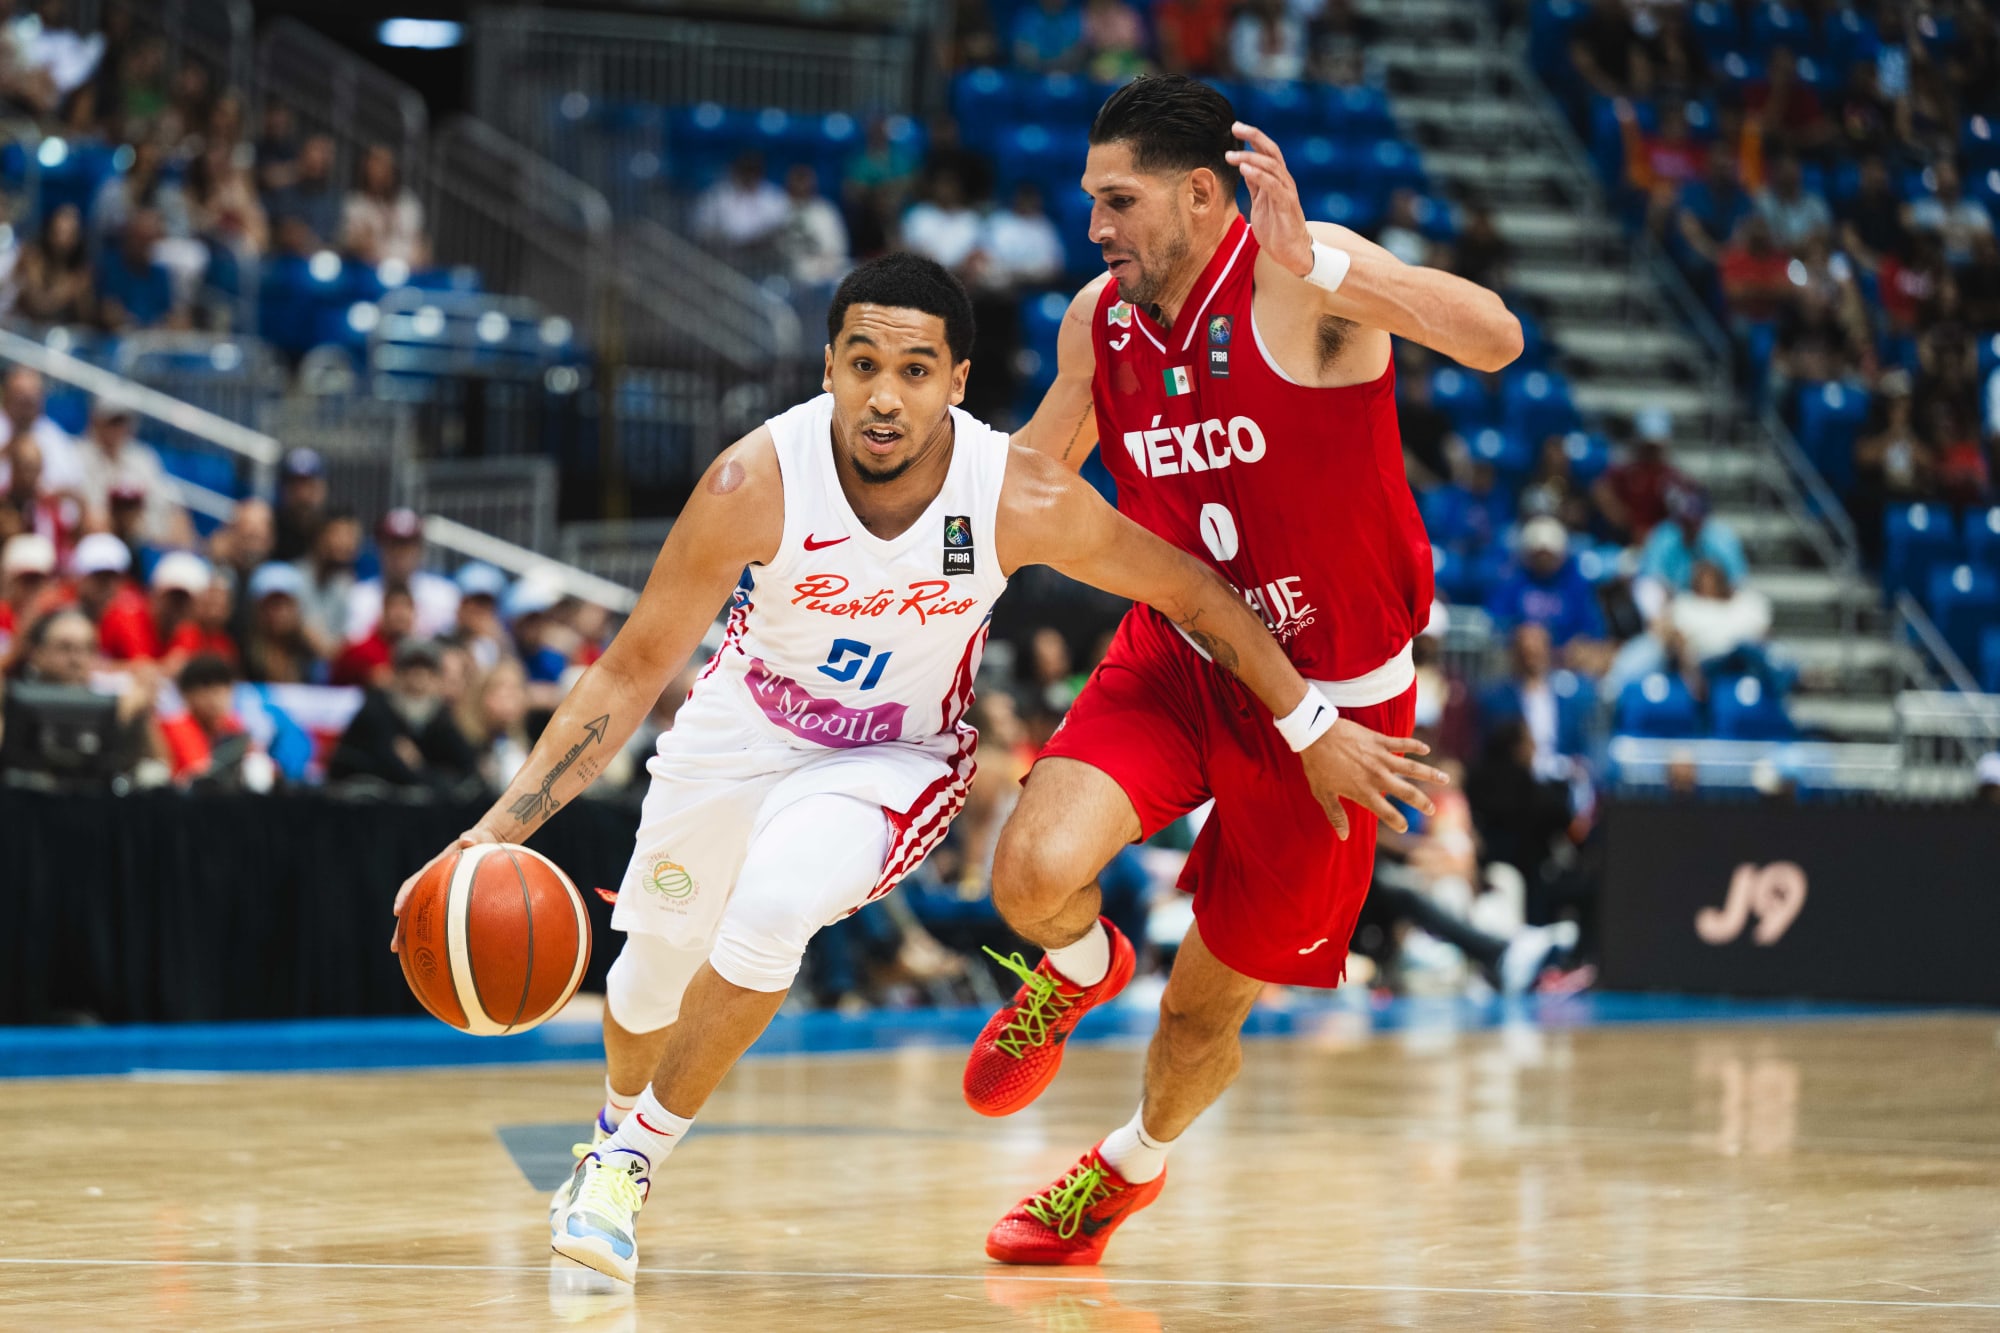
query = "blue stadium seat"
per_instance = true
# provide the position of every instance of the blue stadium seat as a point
(1989, 661)
(1537, 404)
(1658, 705)
(1918, 538)
(1395, 165)
(1848, 36)
(1550, 26)
(1041, 320)
(1830, 418)
(1745, 709)
(1982, 537)
(1965, 603)
(1509, 454)
(1285, 111)
(982, 100)
(1320, 163)
(1985, 187)
(1048, 157)
(1713, 25)
(1070, 210)
(1461, 395)
(1360, 210)
(1058, 99)
(1979, 144)
(1589, 455)
(1358, 112)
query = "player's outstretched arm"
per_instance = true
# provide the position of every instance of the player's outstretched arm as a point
(1048, 517)
(1065, 424)
(1350, 276)
(735, 518)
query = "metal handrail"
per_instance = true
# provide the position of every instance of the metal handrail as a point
(672, 283)
(1911, 617)
(476, 545)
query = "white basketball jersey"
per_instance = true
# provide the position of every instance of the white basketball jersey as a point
(847, 639)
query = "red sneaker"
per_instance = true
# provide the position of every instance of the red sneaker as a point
(1071, 1221)
(1022, 1046)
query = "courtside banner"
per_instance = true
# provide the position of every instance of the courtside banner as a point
(1841, 901)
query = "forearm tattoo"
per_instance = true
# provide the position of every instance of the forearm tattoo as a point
(1075, 434)
(543, 802)
(1219, 651)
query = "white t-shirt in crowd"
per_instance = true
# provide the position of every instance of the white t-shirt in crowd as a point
(948, 237)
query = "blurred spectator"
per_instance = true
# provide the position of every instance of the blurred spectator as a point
(53, 279)
(479, 630)
(99, 565)
(1267, 43)
(1692, 535)
(1555, 704)
(27, 583)
(1429, 436)
(743, 209)
(404, 734)
(1519, 814)
(195, 738)
(223, 207)
(537, 634)
(210, 628)
(875, 180)
(1547, 589)
(59, 649)
(814, 239)
(1472, 509)
(1552, 489)
(111, 459)
(1786, 108)
(366, 661)
(1604, 49)
(28, 505)
(136, 627)
(1401, 233)
(1021, 244)
(245, 543)
(1949, 215)
(309, 197)
(1718, 620)
(400, 538)
(1756, 276)
(382, 218)
(493, 719)
(143, 187)
(1191, 34)
(1481, 254)
(1979, 283)
(328, 572)
(1871, 226)
(944, 227)
(1712, 208)
(301, 508)
(21, 399)
(277, 650)
(277, 150)
(134, 290)
(1893, 462)
(1047, 35)
(1114, 40)
(1795, 214)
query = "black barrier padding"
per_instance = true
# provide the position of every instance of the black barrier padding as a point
(164, 907)
(1902, 902)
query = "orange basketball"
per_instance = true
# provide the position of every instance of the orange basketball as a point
(494, 939)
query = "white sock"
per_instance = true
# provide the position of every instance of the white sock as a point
(617, 1106)
(651, 1130)
(1133, 1153)
(1085, 962)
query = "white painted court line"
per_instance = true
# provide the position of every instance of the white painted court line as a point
(1385, 1288)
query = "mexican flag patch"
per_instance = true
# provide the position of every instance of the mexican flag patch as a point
(1178, 381)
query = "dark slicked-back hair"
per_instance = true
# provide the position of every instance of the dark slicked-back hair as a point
(1172, 123)
(908, 282)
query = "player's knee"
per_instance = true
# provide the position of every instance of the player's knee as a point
(1197, 1034)
(644, 987)
(761, 944)
(1035, 876)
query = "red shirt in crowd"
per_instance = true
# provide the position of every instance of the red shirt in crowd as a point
(191, 640)
(126, 632)
(1642, 488)
(1754, 282)
(365, 662)
(189, 747)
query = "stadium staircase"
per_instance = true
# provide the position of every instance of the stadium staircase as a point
(1628, 340)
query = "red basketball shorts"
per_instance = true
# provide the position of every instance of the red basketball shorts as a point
(1276, 892)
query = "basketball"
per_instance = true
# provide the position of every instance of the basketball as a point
(494, 939)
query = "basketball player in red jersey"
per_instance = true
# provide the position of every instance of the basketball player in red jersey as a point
(1236, 376)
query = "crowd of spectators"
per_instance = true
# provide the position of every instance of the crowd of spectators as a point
(1826, 175)
(422, 680)
(159, 201)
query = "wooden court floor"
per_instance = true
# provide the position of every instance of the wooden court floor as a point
(1838, 1174)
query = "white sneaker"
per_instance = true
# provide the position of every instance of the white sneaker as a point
(599, 1132)
(1529, 951)
(598, 1210)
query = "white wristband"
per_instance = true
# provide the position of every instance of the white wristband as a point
(1312, 719)
(1329, 268)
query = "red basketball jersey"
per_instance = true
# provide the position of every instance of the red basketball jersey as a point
(1295, 495)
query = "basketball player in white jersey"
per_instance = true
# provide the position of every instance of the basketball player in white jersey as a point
(823, 751)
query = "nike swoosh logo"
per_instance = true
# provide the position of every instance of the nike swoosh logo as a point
(813, 545)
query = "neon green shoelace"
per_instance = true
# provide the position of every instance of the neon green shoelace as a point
(617, 1188)
(1061, 1206)
(1036, 1015)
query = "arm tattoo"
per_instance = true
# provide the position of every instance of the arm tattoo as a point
(1070, 448)
(542, 801)
(1219, 651)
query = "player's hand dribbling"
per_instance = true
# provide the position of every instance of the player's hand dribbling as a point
(475, 834)
(1276, 214)
(1367, 768)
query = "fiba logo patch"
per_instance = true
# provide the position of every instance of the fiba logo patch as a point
(1218, 347)
(670, 880)
(1218, 331)
(958, 544)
